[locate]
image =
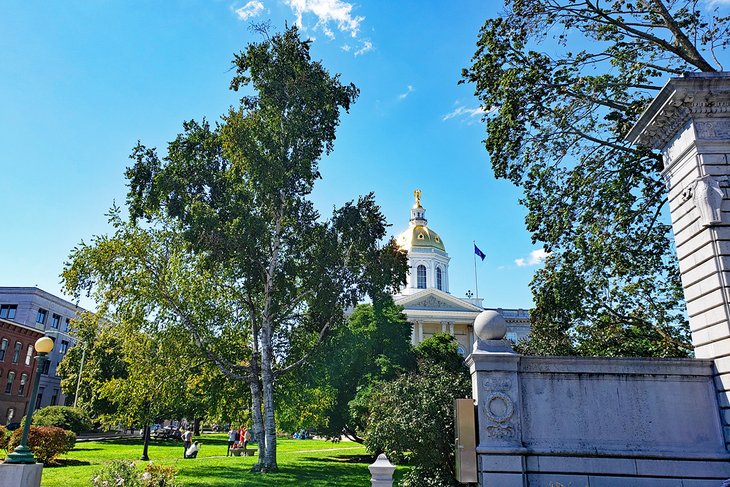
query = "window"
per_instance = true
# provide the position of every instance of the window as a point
(9, 385)
(55, 321)
(8, 311)
(54, 397)
(421, 277)
(16, 352)
(64, 346)
(439, 284)
(39, 398)
(41, 316)
(3, 348)
(23, 381)
(67, 325)
(29, 355)
(46, 367)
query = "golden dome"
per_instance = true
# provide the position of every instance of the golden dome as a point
(418, 234)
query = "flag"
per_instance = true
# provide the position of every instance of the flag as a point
(479, 252)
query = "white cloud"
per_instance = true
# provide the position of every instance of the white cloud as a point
(346, 47)
(536, 257)
(327, 12)
(366, 46)
(403, 96)
(251, 9)
(462, 111)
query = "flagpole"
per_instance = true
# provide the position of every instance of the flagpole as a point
(476, 280)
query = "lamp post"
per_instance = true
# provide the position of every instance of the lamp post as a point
(22, 453)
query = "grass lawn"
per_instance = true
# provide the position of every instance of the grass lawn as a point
(301, 462)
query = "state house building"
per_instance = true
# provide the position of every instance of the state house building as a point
(426, 299)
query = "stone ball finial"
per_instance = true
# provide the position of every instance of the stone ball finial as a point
(490, 325)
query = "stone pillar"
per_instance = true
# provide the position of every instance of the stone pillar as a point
(21, 474)
(495, 382)
(689, 121)
(420, 331)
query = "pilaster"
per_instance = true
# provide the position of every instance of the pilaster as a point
(689, 122)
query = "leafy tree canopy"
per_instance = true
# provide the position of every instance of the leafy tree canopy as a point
(562, 82)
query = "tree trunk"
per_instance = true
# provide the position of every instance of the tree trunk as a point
(267, 382)
(256, 417)
(196, 426)
(146, 436)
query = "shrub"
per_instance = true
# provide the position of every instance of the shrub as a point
(125, 473)
(4, 437)
(68, 418)
(46, 442)
(412, 417)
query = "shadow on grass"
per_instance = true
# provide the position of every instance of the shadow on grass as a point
(316, 475)
(87, 449)
(364, 459)
(68, 462)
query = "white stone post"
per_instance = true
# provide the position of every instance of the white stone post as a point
(381, 472)
(689, 121)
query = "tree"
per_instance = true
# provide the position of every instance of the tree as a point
(231, 251)
(103, 361)
(331, 394)
(555, 122)
(412, 417)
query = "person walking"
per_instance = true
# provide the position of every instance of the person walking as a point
(232, 433)
(187, 441)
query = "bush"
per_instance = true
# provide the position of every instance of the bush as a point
(4, 437)
(46, 442)
(125, 473)
(412, 417)
(65, 417)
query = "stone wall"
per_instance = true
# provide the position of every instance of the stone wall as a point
(596, 421)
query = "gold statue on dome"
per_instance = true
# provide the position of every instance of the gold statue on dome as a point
(417, 194)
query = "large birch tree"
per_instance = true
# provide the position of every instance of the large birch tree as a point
(223, 221)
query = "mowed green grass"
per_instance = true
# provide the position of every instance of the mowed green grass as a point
(301, 462)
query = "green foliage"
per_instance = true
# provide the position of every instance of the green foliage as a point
(103, 361)
(4, 437)
(118, 472)
(331, 396)
(412, 417)
(125, 473)
(555, 125)
(46, 442)
(64, 417)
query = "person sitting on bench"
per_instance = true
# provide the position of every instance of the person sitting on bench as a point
(192, 452)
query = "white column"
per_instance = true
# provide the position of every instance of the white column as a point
(420, 331)
(689, 122)
(443, 327)
(451, 328)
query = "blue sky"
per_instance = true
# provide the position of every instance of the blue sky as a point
(81, 82)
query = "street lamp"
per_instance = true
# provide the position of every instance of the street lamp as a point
(22, 453)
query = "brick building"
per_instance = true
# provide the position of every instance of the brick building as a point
(17, 367)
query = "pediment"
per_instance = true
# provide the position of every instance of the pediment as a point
(433, 299)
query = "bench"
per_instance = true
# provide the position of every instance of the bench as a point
(243, 452)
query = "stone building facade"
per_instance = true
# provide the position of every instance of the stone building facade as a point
(426, 299)
(50, 315)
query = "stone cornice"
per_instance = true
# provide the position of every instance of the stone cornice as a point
(705, 95)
